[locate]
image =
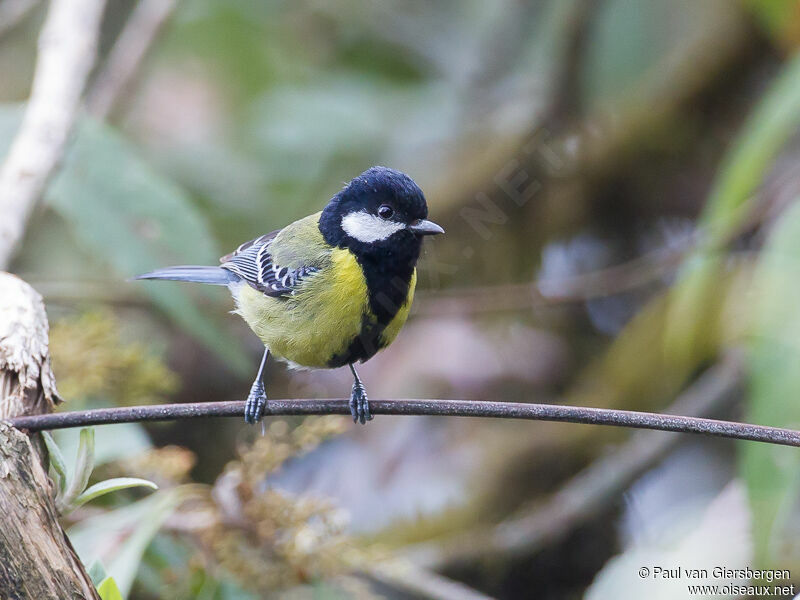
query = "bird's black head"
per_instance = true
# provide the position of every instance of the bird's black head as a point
(380, 212)
(380, 217)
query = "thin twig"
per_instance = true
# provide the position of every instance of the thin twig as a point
(67, 51)
(443, 408)
(590, 491)
(127, 55)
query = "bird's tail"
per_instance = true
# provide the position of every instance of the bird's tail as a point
(195, 274)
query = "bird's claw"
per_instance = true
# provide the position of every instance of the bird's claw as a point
(359, 404)
(256, 403)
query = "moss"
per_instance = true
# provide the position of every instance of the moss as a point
(93, 362)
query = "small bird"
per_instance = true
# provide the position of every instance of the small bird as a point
(331, 289)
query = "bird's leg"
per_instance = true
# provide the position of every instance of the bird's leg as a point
(359, 403)
(257, 399)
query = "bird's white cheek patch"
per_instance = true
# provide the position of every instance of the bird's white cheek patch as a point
(369, 228)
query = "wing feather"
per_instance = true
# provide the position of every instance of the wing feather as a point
(253, 262)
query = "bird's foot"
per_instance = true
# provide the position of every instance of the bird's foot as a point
(359, 404)
(256, 403)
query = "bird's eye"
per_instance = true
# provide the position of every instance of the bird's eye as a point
(386, 211)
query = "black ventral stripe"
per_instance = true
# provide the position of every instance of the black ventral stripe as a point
(388, 283)
(388, 273)
(363, 346)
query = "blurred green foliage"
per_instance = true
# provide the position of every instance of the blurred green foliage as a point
(94, 364)
(732, 205)
(119, 537)
(72, 489)
(128, 217)
(780, 18)
(773, 474)
(732, 200)
(645, 128)
(108, 590)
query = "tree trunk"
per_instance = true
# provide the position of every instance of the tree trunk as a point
(37, 561)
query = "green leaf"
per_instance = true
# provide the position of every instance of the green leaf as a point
(730, 203)
(122, 535)
(772, 473)
(126, 563)
(110, 485)
(766, 131)
(136, 220)
(112, 442)
(56, 461)
(84, 465)
(108, 590)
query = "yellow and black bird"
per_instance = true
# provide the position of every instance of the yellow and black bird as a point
(333, 288)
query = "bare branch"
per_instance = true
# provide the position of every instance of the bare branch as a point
(442, 408)
(12, 12)
(126, 57)
(67, 49)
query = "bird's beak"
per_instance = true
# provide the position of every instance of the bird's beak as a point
(425, 227)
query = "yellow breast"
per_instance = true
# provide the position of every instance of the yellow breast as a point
(318, 322)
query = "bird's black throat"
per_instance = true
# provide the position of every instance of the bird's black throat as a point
(388, 270)
(387, 263)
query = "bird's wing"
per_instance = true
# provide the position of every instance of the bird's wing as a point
(277, 262)
(262, 239)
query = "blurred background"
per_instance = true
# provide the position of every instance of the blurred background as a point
(618, 180)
